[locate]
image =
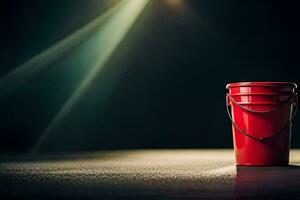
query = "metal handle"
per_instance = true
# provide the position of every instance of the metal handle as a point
(263, 139)
(292, 97)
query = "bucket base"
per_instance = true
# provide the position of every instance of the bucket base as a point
(261, 165)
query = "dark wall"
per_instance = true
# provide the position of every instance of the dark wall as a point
(175, 63)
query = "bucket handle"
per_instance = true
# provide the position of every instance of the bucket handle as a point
(229, 98)
(263, 139)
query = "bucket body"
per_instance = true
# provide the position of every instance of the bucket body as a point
(261, 114)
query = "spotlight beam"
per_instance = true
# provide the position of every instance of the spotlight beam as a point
(110, 36)
(40, 61)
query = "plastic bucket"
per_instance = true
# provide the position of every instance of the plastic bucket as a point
(261, 114)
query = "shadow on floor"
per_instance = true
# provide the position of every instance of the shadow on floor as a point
(268, 182)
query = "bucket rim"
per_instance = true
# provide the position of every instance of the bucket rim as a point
(263, 94)
(261, 84)
(259, 103)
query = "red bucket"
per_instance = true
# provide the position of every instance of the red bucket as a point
(261, 115)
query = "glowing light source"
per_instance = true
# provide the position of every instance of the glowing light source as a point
(175, 3)
(110, 35)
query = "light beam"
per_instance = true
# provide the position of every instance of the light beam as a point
(42, 60)
(110, 36)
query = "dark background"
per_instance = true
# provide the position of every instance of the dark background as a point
(175, 61)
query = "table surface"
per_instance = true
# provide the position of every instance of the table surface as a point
(150, 174)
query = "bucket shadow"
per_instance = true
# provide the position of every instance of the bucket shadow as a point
(268, 182)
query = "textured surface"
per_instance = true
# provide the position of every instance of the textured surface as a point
(187, 174)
